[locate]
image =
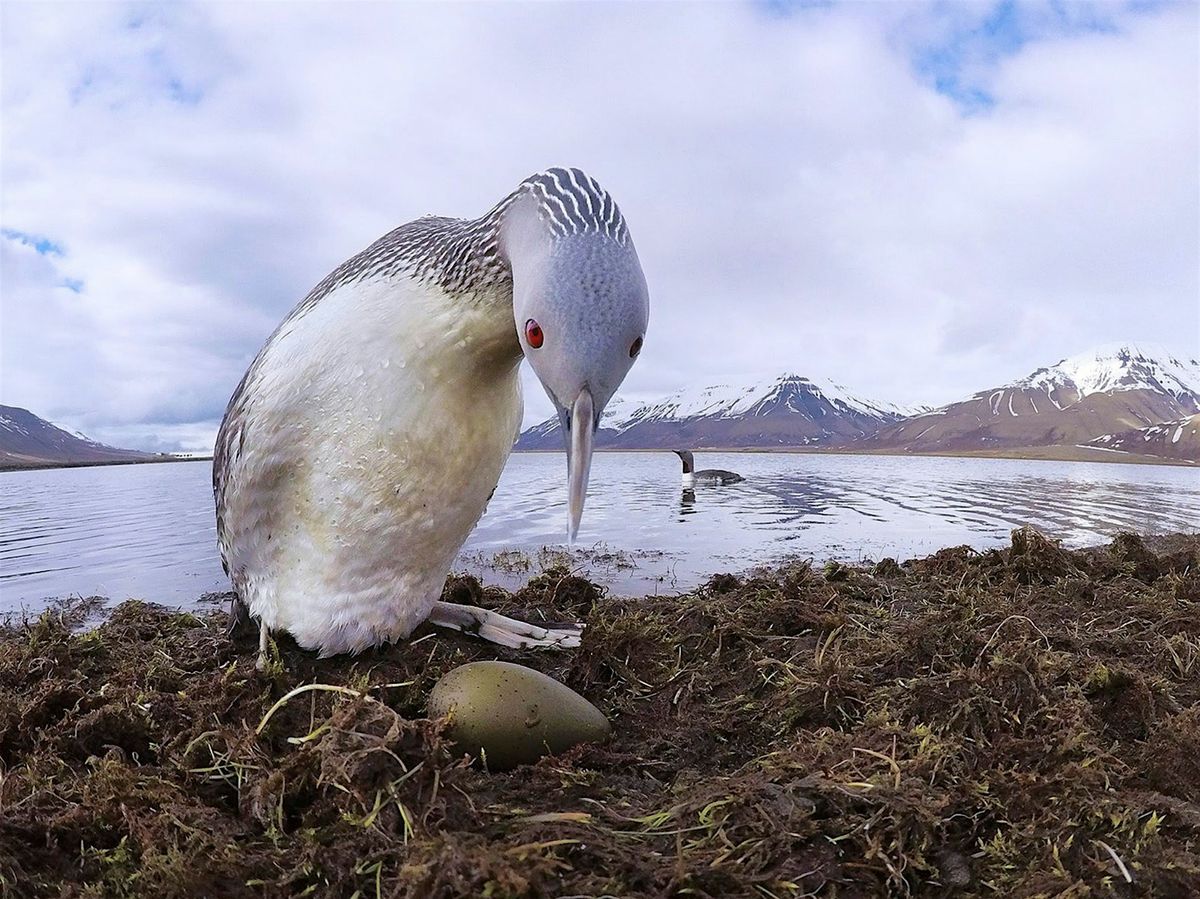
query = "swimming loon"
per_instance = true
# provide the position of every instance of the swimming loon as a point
(716, 476)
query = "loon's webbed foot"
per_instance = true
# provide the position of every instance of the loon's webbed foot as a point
(501, 629)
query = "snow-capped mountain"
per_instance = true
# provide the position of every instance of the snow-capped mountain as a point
(788, 410)
(26, 440)
(1105, 391)
(1119, 367)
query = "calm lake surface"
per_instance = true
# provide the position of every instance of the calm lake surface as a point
(147, 531)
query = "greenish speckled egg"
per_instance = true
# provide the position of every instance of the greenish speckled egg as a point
(512, 715)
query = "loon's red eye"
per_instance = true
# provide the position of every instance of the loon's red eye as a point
(635, 349)
(533, 334)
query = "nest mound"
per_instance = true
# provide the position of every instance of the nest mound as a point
(1020, 722)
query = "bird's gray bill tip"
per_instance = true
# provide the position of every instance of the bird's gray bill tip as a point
(583, 425)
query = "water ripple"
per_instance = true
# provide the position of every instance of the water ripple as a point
(148, 530)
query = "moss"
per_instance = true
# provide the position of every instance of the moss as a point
(1020, 722)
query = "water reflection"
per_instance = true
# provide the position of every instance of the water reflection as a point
(687, 502)
(149, 531)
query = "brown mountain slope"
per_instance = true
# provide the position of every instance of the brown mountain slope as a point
(1178, 439)
(1106, 391)
(1015, 417)
(27, 441)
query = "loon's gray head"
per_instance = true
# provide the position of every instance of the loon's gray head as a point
(580, 304)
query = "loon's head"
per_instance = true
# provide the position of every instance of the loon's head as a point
(580, 305)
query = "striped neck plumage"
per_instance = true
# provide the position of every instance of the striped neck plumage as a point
(571, 202)
(466, 256)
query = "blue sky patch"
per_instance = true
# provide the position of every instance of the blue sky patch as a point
(959, 62)
(188, 95)
(789, 7)
(44, 245)
(145, 72)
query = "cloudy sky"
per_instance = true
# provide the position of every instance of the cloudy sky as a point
(916, 200)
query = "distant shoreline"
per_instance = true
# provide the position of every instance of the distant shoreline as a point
(1026, 454)
(42, 466)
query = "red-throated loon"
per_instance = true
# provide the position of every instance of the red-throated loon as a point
(363, 443)
(691, 477)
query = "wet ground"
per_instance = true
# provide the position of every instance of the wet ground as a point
(1018, 722)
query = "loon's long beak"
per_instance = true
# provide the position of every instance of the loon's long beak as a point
(579, 458)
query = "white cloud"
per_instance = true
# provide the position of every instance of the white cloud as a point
(801, 197)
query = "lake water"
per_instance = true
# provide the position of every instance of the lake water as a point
(147, 531)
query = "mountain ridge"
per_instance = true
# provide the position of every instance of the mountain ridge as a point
(789, 411)
(29, 441)
(1107, 390)
(1119, 398)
